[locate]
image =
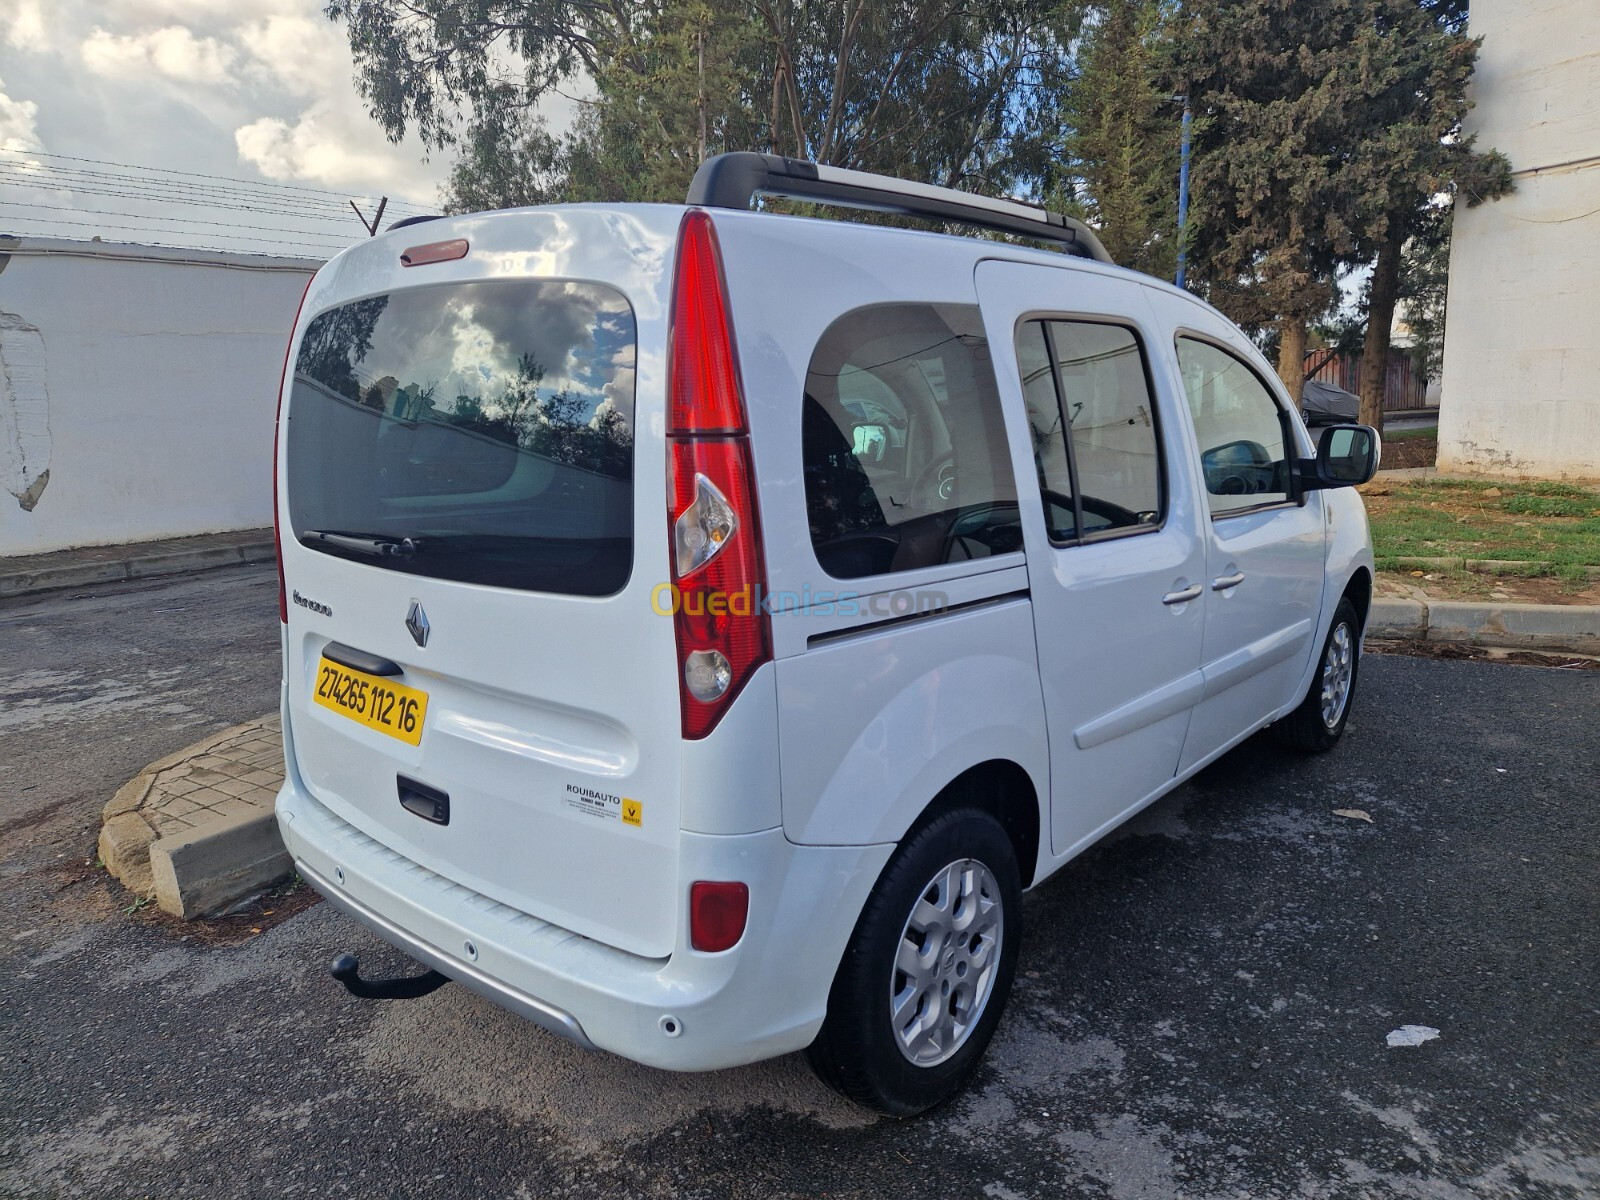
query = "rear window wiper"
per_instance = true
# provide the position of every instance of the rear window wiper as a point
(367, 543)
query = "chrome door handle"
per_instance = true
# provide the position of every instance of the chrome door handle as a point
(1223, 582)
(1183, 595)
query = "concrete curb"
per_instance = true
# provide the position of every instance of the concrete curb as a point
(27, 574)
(1574, 628)
(1482, 566)
(196, 830)
(205, 871)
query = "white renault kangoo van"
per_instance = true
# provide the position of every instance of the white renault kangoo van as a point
(700, 624)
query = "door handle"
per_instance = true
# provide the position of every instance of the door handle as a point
(1182, 595)
(1223, 582)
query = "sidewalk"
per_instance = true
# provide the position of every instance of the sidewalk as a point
(24, 574)
(195, 831)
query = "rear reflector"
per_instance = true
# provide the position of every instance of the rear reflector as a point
(717, 915)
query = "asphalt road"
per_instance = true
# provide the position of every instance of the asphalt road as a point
(1201, 1012)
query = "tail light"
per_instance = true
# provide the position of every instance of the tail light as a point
(277, 426)
(717, 915)
(722, 630)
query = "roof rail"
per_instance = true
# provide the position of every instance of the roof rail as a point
(733, 180)
(402, 223)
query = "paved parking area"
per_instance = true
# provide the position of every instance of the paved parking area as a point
(1201, 1012)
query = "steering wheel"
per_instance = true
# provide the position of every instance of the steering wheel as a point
(935, 484)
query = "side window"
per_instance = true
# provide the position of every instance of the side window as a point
(904, 453)
(1240, 429)
(1093, 423)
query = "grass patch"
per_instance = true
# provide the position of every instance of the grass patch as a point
(1409, 435)
(1549, 526)
(1572, 578)
(1551, 488)
(1550, 506)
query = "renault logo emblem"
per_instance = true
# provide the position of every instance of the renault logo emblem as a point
(417, 623)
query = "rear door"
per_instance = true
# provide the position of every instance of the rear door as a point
(1115, 562)
(472, 522)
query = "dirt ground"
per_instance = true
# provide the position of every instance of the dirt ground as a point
(1400, 453)
(1473, 585)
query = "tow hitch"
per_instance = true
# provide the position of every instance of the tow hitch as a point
(347, 970)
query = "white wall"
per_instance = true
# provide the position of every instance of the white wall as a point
(144, 380)
(1521, 386)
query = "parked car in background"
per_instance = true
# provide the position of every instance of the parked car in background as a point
(699, 624)
(1324, 403)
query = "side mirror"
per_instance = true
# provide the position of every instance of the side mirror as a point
(1346, 455)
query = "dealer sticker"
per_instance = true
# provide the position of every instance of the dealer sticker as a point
(604, 806)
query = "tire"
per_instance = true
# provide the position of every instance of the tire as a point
(964, 866)
(1315, 727)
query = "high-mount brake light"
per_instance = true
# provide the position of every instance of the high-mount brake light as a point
(277, 426)
(720, 625)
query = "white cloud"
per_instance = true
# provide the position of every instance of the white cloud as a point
(174, 52)
(25, 25)
(18, 128)
(305, 56)
(334, 148)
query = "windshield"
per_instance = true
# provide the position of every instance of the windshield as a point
(480, 432)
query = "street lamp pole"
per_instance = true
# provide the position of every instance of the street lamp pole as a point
(1183, 193)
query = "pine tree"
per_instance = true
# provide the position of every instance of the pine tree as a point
(1326, 129)
(1119, 168)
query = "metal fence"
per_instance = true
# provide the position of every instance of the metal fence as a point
(1404, 387)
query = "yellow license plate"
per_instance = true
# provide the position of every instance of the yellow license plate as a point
(374, 701)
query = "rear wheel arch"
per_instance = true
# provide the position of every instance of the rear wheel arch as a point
(1004, 790)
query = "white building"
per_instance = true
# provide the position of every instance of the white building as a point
(1521, 387)
(140, 388)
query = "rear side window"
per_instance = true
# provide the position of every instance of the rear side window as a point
(1093, 426)
(480, 432)
(905, 456)
(1240, 429)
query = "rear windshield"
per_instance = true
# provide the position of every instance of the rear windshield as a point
(480, 432)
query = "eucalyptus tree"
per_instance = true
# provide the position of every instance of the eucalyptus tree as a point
(931, 89)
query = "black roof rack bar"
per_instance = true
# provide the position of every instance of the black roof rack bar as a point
(733, 180)
(404, 221)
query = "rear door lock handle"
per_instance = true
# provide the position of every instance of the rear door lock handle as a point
(1223, 582)
(1182, 595)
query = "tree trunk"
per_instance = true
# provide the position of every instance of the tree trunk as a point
(1292, 354)
(1380, 316)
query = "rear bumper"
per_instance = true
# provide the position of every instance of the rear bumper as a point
(687, 1012)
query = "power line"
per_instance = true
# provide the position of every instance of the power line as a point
(196, 175)
(180, 233)
(74, 179)
(104, 212)
(156, 198)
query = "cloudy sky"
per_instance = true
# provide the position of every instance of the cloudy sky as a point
(248, 90)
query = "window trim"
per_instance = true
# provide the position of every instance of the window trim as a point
(1163, 475)
(1296, 497)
